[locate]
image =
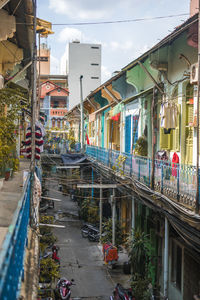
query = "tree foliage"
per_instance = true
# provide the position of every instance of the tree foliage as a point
(11, 104)
(119, 235)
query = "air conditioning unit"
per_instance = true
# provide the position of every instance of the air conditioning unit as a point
(194, 73)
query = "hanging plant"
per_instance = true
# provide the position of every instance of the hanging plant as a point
(141, 146)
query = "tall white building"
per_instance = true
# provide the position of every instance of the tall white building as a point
(83, 59)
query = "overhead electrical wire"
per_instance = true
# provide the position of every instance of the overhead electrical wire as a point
(119, 21)
(111, 22)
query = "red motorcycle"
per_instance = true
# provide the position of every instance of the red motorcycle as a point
(63, 288)
(120, 293)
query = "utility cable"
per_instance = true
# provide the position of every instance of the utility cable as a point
(111, 22)
(120, 21)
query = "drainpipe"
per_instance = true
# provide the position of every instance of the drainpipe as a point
(100, 209)
(82, 114)
(113, 203)
(153, 140)
(198, 94)
(133, 213)
(166, 259)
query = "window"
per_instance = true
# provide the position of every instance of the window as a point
(94, 64)
(55, 104)
(94, 77)
(94, 47)
(176, 271)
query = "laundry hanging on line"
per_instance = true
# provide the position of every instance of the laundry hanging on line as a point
(169, 115)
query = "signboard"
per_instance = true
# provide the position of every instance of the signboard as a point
(42, 58)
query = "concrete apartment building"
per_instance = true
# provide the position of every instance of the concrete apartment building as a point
(43, 55)
(83, 59)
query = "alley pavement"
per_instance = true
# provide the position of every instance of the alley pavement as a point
(81, 259)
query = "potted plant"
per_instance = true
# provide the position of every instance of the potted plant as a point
(139, 250)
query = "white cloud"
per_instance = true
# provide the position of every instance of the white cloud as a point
(79, 9)
(70, 34)
(54, 65)
(123, 46)
(105, 74)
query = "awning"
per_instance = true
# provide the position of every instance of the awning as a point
(127, 100)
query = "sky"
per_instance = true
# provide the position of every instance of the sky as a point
(121, 42)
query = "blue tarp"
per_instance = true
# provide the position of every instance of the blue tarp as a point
(73, 159)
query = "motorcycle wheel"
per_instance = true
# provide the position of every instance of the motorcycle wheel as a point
(84, 234)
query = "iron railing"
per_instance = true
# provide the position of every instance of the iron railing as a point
(13, 248)
(177, 181)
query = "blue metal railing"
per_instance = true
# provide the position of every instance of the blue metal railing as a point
(13, 249)
(177, 181)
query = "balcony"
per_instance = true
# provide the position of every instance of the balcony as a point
(58, 112)
(14, 228)
(176, 181)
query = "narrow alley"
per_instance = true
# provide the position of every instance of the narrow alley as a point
(81, 259)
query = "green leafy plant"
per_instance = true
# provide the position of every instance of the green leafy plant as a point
(93, 214)
(141, 146)
(141, 288)
(71, 139)
(47, 237)
(49, 270)
(119, 166)
(10, 108)
(84, 206)
(120, 237)
(139, 250)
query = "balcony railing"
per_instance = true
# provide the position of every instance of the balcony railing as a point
(13, 249)
(176, 181)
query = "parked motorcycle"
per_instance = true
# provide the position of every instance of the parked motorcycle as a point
(120, 293)
(63, 288)
(93, 235)
(86, 228)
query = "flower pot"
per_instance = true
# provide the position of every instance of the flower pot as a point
(7, 175)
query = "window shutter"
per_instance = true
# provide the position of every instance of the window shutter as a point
(176, 134)
(189, 146)
(164, 140)
(108, 132)
(128, 134)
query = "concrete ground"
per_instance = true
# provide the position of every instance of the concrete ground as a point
(10, 194)
(80, 259)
